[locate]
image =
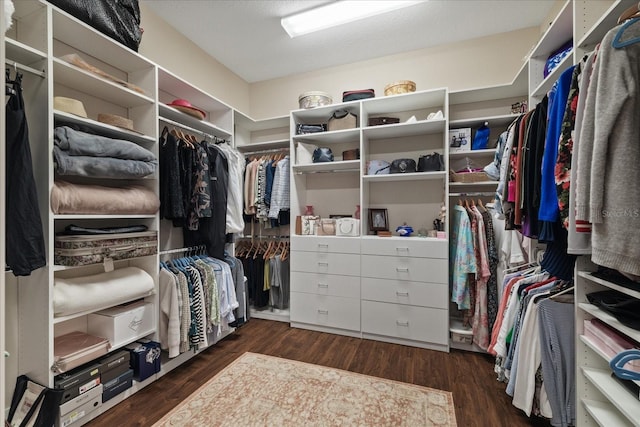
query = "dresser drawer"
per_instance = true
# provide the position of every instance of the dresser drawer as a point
(403, 268)
(433, 295)
(330, 311)
(429, 325)
(406, 247)
(325, 284)
(325, 263)
(343, 245)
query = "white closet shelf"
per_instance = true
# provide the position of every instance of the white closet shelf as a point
(415, 176)
(419, 100)
(347, 165)
(587, 341)
(587, 275)
(75, 33)
(333, 137)
(494, 121)
(171, 113)
(619, 396)
(607, 21)
(400, 130)
(61, 319)
(78, 79)
(267, 145)
(252, 125)
(106, 216)
(546, 84)
(605, 414)
(20, 52)
(171, 87)
(474, 184)
(473, 153)
(118, 262)
(322, 114)
(610, 320)
(103, 128)
(558, 33)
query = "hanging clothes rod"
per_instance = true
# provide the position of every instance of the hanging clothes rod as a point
(19, 66)
(265, 151)
(182, 250)
(190, 129)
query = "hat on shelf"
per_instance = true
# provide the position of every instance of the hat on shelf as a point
(117, 121)
(186, 107)
(69, 105)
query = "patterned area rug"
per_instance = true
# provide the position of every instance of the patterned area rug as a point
(259, 390)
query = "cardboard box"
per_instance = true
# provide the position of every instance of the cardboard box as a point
(78, 381)
(459, 140)
(117, 385)
(79, 407)
(124, 323)
(113, 365)
(145, 359)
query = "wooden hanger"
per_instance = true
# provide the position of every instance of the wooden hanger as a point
(632, 12)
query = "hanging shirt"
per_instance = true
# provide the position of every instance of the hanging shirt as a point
(462, 258)
(281, 189)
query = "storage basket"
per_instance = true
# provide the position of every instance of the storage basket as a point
(314, 99)
(469, 176)
(402, 86)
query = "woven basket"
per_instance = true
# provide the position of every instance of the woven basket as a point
(402, 86)
(469, 177)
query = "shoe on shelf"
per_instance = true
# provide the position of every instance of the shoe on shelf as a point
(436, 116)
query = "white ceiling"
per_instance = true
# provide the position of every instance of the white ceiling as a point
(247, 38)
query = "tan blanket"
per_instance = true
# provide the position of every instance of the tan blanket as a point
(67, 198)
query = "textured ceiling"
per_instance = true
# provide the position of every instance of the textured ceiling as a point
(247, 38)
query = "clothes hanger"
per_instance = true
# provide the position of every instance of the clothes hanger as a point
(564, 291)
(629, 13)
(617, 43)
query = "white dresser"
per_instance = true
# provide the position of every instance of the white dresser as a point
(325, 284)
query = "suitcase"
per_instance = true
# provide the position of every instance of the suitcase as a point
(76, 348)
(70, 250)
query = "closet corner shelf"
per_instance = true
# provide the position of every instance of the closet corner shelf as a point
(610, 320)
(559, 32)
(415, 176)
(282, 144)
(400, 130)
(22, 53)
(331, 137)
(74, 77)
(338, 166)
(587, 341)
(587, 275)
(170, 113)
(103, 128)
(473, 153)
(61, 319)
(619, 396)
(605, 413)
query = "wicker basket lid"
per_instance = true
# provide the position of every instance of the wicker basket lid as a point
(401, 83)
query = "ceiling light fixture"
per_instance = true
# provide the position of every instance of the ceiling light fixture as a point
(338, 13)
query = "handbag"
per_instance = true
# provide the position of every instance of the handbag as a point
(402, 166)
(347, 227)
(481, 138)
(33, 404)
(322, 154)
(378, 167)
(378, 121)
(303, 129)
(326, 227)
(354, 95)
(308, 224)
(430, 163)
(341, 120)
(304, 153)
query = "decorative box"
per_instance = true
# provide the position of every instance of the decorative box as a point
(124, 323)
(314, 99)
(73, 250)
(459, 140)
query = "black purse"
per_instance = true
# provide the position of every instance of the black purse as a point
(34, 404)
(322, 154)
(430, 163)
(403, 166)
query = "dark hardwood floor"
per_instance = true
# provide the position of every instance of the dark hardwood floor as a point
(480, 400)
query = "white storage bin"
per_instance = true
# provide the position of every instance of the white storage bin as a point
(123, 324)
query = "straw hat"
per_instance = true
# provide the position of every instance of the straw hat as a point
(117, 121)
(69, 105)
(186, 107)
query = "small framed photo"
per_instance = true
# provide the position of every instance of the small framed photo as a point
(378, 220)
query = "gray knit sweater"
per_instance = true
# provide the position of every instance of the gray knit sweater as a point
(608, 181)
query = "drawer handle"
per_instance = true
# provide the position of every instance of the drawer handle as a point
(323, 264)
(402, 270)
(402, 323)
(402, 249)
(323, 245)
(402, 294)
(323, 285)
(323, 311)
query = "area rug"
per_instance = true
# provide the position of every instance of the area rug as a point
(259, 390)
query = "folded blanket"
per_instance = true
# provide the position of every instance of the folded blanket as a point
(77, 143)
(67, 198)
(101, 167)
(100, 290)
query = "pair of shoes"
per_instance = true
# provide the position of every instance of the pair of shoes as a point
(436, 116)
(411, 119)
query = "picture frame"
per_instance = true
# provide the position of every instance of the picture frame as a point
(378, 220)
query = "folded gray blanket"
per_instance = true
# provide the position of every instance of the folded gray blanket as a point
(101, 167)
